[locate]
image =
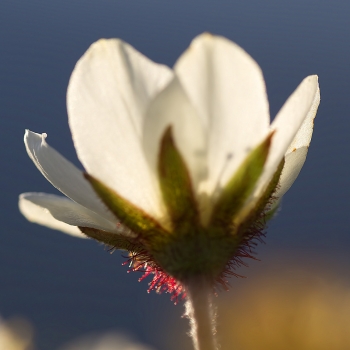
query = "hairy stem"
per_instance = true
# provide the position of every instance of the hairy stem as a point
(200, 311)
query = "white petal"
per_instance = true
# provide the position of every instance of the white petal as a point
(227, 88)
(42, 216)
(109, 91)
(171, 107)
(297, 151)
(287, 123)
(304, 134)
(69, 212)
(65, 176)
(294, 161)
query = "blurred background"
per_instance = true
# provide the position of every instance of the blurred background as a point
(66, 287)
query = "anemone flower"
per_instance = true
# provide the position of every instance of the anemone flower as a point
(182, 166)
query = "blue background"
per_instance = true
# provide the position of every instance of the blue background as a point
(67, 287)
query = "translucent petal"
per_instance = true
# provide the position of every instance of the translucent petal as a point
(172, 108)
(65, 176)
(287, 123)
(297, 151)
(69, 212)
(294, 161)
(42, 216)
(108, 93)
(227, 88)
(304, 134)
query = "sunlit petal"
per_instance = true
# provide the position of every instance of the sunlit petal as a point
(304, 134)
(297, 151)
(69, 212)
(294, 161)
(109, 91)
(287, 123)
(39, 215)
(65, 176)
(227, 88)
(172, 108)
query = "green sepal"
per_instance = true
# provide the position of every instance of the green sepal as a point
(175, 183)
(241, 185)
(129, 215)
(271, 213)
(113, 240)
(261, 206)
(267, 198)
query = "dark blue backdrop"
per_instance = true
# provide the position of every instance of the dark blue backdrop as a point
(68, 287)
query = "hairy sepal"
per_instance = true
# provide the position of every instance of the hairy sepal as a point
(240, 186)
(175, 183)
(113, 240)
(129, 215)
(199, 252)
(259, 214)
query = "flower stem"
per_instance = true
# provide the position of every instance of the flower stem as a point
(200, 311)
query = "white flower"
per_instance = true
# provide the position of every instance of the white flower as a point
(120, 108)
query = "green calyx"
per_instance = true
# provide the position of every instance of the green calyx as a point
(197, 252)
(188, 249)
(129, 215)
(192, 249)
(262, 210)
(241, 185)
(175, 183)
(113, 240)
